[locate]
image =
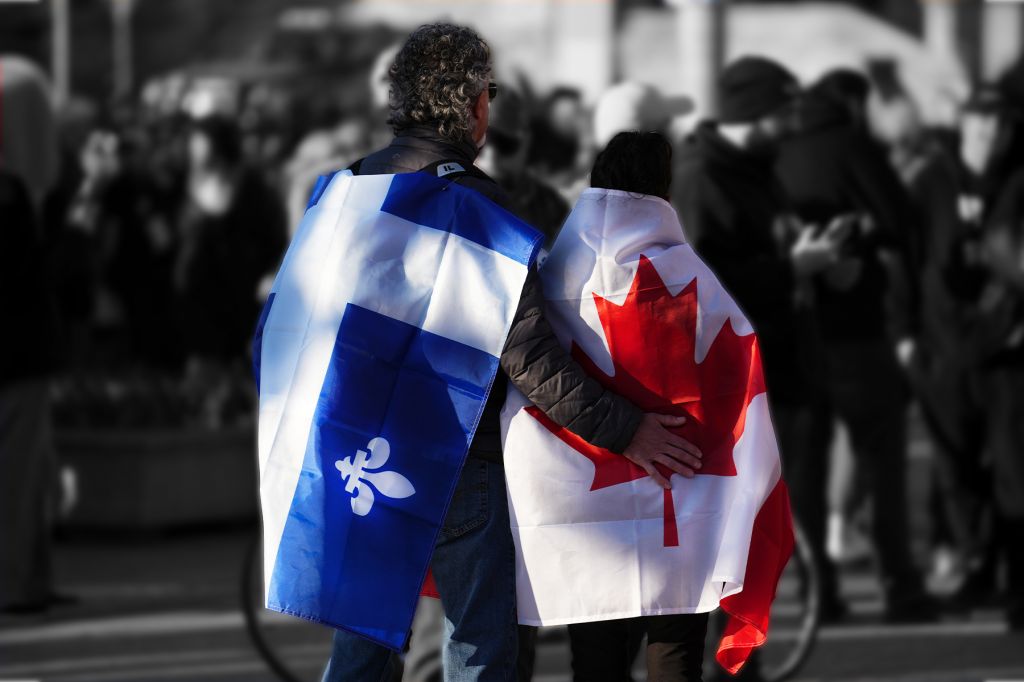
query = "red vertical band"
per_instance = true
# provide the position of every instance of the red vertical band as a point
(671, 532)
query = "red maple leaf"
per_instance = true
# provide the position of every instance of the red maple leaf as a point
(652, 338)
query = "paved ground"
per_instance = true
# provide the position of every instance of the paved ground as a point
(166, 608)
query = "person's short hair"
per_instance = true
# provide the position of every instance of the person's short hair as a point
(635, 162)
(437, 74)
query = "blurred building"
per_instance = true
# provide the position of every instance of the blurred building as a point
(937, 46)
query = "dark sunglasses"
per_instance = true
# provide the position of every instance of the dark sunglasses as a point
(492, 91)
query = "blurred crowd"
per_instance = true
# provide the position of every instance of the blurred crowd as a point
(881, 261)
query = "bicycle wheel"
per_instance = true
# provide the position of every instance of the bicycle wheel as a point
(794, 623)
(795, 615)
(295, 650)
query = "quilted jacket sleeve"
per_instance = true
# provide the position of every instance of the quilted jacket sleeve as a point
(546, 374)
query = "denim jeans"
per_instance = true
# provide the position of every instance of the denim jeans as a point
(474, 569)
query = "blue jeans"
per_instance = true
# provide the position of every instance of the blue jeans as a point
(474, 568)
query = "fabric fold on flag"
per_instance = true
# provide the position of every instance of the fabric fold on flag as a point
(596, 540)
(374, 357)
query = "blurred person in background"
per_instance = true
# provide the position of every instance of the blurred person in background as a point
(504, 159)
(637, 106)
(28, 170)
(326, 149)
(895, 120)
(955, 195)
(233, 233)
(557, 137)
(1001, 379)
(123, 214)
(739, 221)
(831, 169)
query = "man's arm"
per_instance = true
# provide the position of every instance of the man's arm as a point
(545, 372)
(549, 377)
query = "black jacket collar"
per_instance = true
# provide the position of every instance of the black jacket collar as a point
(428, 140)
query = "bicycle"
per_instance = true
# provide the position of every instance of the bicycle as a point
(795, 618)
(296, 650)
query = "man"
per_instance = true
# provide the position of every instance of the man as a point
(955, 195)
(831, 167)
(440, 103)
(504, 158)
(737, 218)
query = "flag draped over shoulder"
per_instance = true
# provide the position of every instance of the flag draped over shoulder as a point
(595, 539)
(374, 357)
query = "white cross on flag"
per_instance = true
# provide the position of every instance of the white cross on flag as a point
(595, 540)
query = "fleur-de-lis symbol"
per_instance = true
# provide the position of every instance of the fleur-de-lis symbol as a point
(360, 483)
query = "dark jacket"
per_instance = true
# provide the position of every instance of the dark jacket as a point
(731, 208)
(533, 359)
(27, 349)
(537, 203)
(1002, 304)
(832, 167)
(219, 266)
(953, 276)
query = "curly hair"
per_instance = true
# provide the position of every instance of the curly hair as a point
(435, 77)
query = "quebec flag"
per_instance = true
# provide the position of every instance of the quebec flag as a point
(374, 357)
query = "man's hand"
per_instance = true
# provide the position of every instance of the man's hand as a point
(654, 444)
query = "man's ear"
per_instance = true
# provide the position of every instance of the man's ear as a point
(481, 112)
(481, 106)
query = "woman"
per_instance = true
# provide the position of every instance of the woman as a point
(615, 546)
(639, 163)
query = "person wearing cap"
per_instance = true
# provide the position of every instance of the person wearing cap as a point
(830, 167)
(737, 217)
(504, 158)
(636, 106)
(955, 195)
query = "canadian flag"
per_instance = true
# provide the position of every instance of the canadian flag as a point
(595, 539)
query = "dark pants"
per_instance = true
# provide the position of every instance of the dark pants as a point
(864, 387)
(603, 651)
(975, 416)
(803, 432)
(26, 492)
(950, 395)
(1004, 390)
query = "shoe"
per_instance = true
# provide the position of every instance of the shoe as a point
(833, 610)
(915, 609)
(26, 608)
(978, 590)
(62, 599)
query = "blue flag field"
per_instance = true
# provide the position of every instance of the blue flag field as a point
(374, 357)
